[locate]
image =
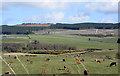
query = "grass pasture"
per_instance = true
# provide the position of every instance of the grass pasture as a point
(80, 42)
(55, 66)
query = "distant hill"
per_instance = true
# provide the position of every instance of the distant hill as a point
(34, 24)
(28, 28)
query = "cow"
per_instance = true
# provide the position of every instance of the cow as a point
(43, 72)
(69, 71)
(112, 63)
(65, 67)
(85, 72)
(7, 73)
(28, 60)
(67, 56)
(48, 59)
(10, 63)
(77, 59)
(31, 62)
(63, 60)
(15, 57)
(82, 60)
(78, 62)
(103, 59)
(46, 64)
(98, 61)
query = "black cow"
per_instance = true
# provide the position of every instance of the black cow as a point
(112, 63)
(85, 72)
(64, 60)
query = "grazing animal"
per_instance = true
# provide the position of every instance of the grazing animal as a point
(48, 59)
(67, 56)
(103, 59)
(69, 71)
(85, 72)
(10, 63)
(65, 67)
(112, 63)
(15, 57)
(78, 62)
(98, 61)
(7, 73)
(46, 64)
(28, 60)
(44, 72)
(63, 60)
(77, 59)
(82, 60)
(31, 62)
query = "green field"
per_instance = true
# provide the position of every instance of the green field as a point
(80, 42)
(39, 64)
(56, 65)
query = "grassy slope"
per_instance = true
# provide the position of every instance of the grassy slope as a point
(77, 41)
(15, 40)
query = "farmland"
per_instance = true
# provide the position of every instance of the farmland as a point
(56, 63)
(55, 66)
(81, 42)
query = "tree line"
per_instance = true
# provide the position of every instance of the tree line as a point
(29, 29)
(35, 45)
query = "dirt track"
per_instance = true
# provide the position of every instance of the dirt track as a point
(25, 54)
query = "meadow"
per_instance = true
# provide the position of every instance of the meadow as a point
(55, 66)
(80, 42)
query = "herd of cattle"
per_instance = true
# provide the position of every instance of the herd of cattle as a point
(78, 61)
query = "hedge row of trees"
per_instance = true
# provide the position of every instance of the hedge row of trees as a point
(35, 45)
(78, 26)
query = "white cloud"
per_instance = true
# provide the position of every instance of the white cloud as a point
(42, 5)
(79, 18)
(104, 7)
(50, 17)
(107, 20)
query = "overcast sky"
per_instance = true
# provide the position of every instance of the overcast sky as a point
(59, 12)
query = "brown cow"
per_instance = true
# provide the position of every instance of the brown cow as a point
(77, 59)
(48, 59)
(43, 72)
(11, 62)
(69, 71)
(28, 60)
(31, 62)
(78, 62)
(82, 60)
(98, 61)
(46, 64)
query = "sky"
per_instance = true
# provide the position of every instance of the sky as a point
(58, 12)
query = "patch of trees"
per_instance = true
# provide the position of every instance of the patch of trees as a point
(20, 29)
(12, 47)
(35, 45)
(85, 26)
